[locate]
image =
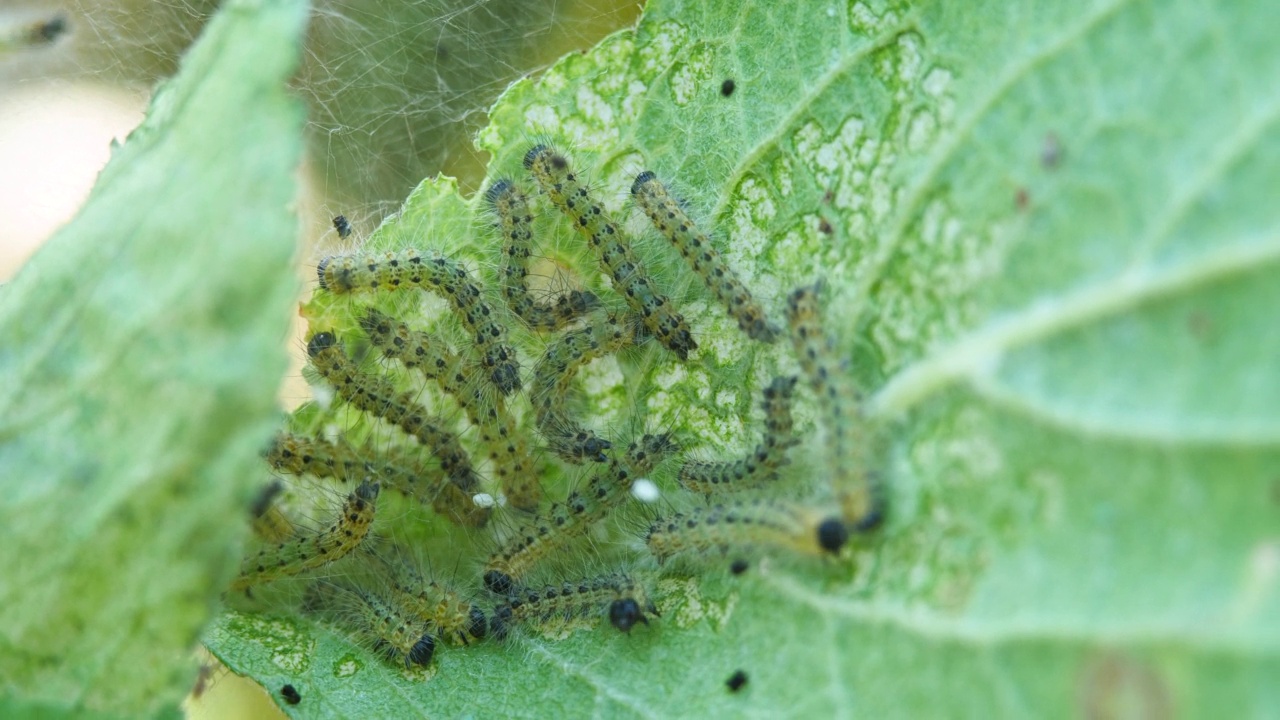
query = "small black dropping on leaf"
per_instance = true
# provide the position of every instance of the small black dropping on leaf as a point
(739, 566)
(290, 694)
(736, 681)
(727, 87)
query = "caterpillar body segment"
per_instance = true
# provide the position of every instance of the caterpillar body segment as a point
(552, 172)
(617, 596)
(768, 523)
(417, 350)
(535, 539)
(671, 220)
(604, 334)
(376, 619)
(429, 355)
(393, 468)
(378, 396)
(310, 550)
(448, 615)
(366, 272)
(861, 504)
(763, 462)
(511, 205)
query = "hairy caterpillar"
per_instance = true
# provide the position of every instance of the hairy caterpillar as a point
(618, 596)
(446, 613)
(394, 468)
(557, 180)
(511, 205)
(604, 334)
(388, 627)
(421, 351)
(671, 220)
(860, 502)
(719, 528)
(533, 540)
(763, 462)
(310, 550)
(377, 396)
(341, 274)
(343, 226)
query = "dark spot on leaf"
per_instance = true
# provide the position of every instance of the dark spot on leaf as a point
(736, 681)
(1114, 685)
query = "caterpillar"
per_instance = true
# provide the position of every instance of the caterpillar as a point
(340, 274)
(393, 631)
(343, 226)
(762, 463)
(533, 540)
(720, 528)
(552, 172)
(671, 220)
(860, 501)
(310, 550)
(615, 595)
(430, 356)
(511, 206)
(446, 613)
(604, 334)
(378, 397)
(394, 468)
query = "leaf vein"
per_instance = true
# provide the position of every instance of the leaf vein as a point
(981, 351)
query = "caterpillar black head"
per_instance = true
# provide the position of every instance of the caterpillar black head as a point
(320, 342)
(625, 613)
(421, 652)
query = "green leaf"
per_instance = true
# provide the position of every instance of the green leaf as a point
(142, 348)
(1052, 254)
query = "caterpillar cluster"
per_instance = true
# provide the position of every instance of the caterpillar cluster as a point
(511, 538)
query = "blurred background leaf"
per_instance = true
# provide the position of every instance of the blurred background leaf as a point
(142, 350)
